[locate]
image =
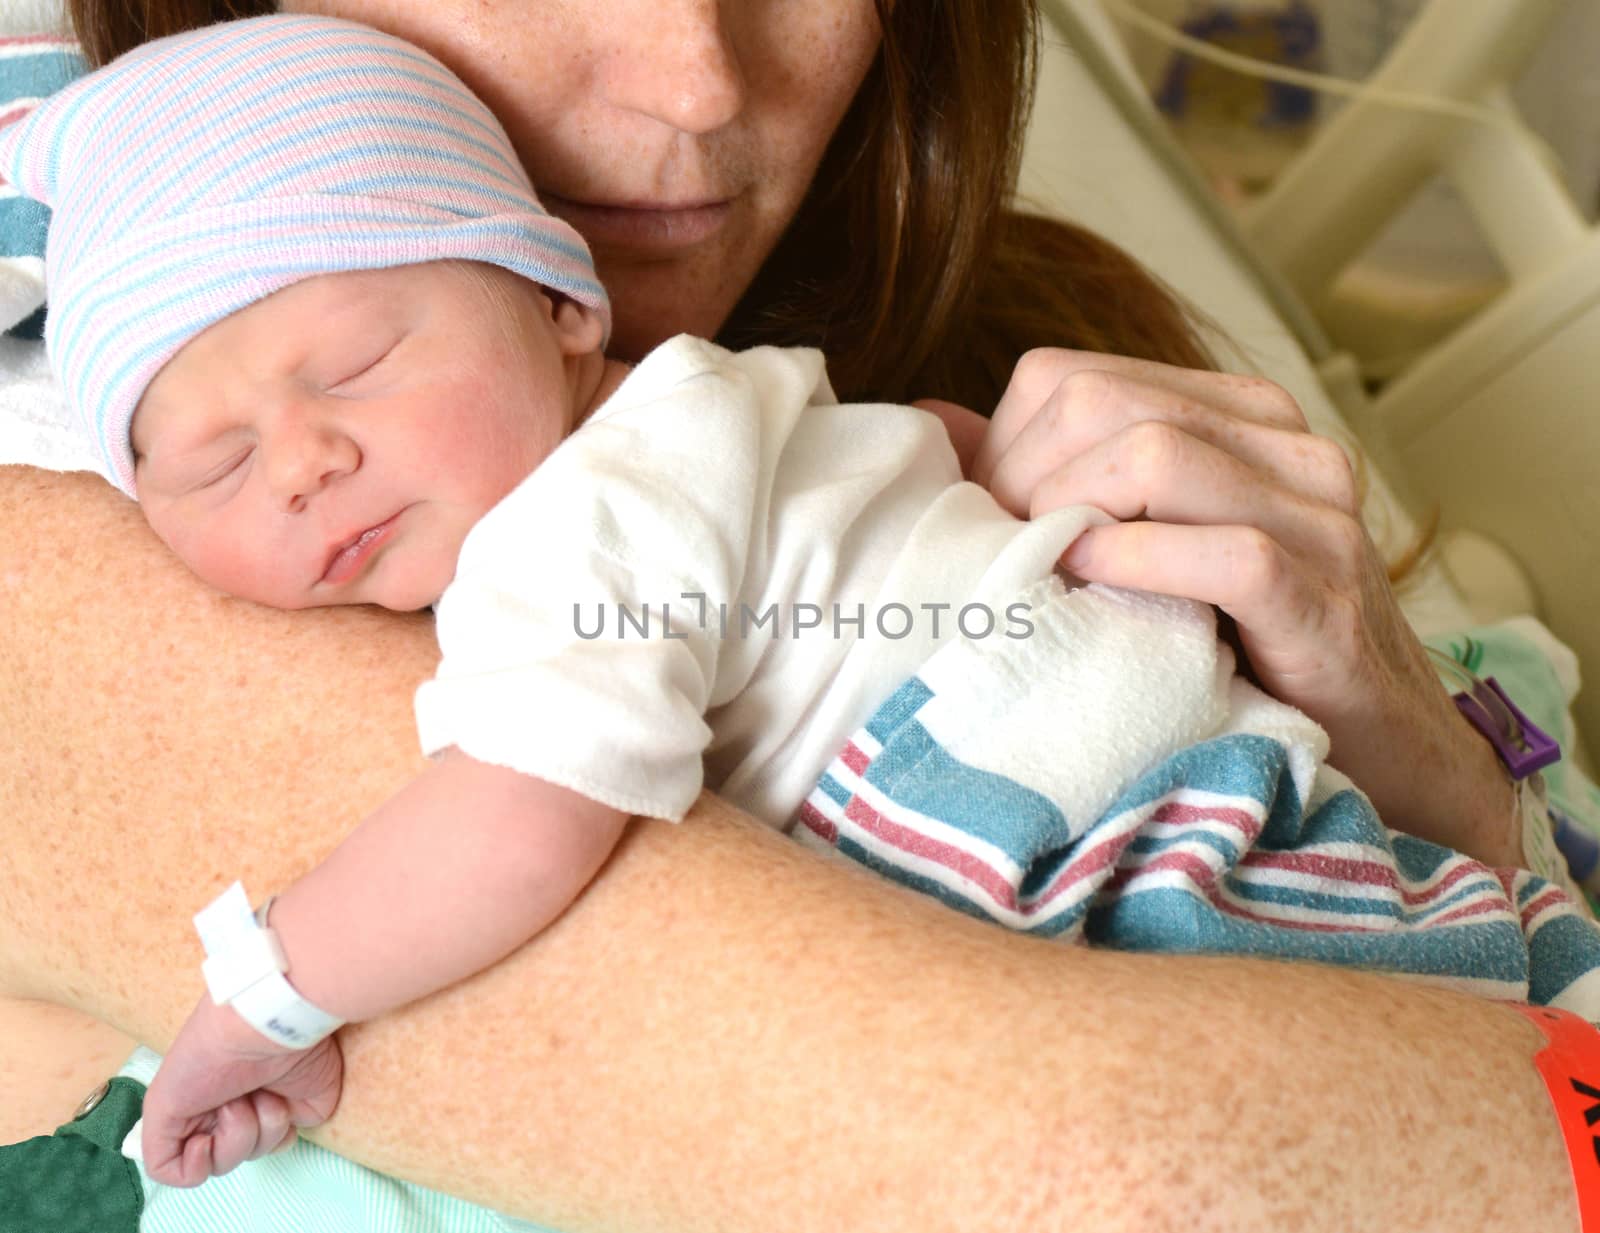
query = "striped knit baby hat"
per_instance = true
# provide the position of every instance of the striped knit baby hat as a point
(200, 173)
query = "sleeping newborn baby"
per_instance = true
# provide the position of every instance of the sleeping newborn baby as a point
(341, 355)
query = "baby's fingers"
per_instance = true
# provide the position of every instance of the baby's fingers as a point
(167, 1144)
(179, 1162)
(165, 1157)
(276, 1125)
(236, 1136)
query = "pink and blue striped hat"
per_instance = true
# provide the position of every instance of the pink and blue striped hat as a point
(200, 173)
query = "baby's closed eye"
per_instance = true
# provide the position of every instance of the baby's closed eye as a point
(348, 373)
(229, 466)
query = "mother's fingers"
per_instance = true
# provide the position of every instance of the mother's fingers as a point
(1300, 633)
(1041, 374)
(1156, 471)
(1097, 407)
(1237, 568)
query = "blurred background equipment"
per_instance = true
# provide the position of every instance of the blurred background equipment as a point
(1430, 267)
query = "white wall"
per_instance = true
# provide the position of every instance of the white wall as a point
(31, 16)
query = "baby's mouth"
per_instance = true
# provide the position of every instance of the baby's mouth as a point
(347, 559)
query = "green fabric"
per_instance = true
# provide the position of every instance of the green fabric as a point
(76, 1180)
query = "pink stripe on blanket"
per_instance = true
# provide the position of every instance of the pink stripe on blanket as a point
(1085, 865)
(1204, 879)
(1177, 813)
(929, 849)
(814, 820)
(1345, 869)
(1357, 872)
(1476, 908)
(1547, 899)
(1464, 869)
(1108, 851)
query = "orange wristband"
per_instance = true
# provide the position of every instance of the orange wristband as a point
(1570, 1065)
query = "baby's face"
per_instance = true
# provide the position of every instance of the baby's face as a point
(334, 442)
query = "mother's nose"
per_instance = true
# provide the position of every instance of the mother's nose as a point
(301, 455)
(677, 62)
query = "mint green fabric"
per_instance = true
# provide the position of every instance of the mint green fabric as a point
(306, 1188)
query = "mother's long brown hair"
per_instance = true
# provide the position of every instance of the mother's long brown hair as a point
(906, 263)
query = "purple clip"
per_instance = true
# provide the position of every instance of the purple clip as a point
(1522, 745)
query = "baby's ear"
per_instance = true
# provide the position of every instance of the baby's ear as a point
(579, 328)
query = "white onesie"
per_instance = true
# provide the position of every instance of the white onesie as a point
(734, 491)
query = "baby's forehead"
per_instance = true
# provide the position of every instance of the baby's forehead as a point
(322, 308)
(383, 289)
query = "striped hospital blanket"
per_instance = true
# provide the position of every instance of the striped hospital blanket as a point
(32, 66)
(1241, 843)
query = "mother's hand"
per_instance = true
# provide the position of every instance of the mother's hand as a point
(1226, 496)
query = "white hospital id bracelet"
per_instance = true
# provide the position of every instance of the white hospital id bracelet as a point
(244, 969)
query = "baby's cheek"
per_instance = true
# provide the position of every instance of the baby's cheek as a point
(232, 562)
(217, 565)
(178, 534)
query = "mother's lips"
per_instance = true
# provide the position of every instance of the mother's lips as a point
(646, 224)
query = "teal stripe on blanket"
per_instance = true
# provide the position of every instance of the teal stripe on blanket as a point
(1565, 949)
(901, 706)
(1151, 845)
(25, 74)
(833, 789)
(1177, 921)
(1240, 765)
(24, 223)
(920, 775)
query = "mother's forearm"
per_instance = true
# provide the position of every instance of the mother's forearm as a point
(726, 1032)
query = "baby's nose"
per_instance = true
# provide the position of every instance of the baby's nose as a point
(304, 458)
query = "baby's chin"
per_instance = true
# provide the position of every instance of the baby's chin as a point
(409, 606)
(403, 589)
(405, 580)
(401, 597)
(390, 597)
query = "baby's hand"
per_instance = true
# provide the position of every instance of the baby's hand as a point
(226, 1094)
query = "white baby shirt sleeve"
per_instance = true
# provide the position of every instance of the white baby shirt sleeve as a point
(573, 642)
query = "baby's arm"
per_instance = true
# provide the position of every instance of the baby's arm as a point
(446, 878)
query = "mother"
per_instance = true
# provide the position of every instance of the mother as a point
(726, 1033)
